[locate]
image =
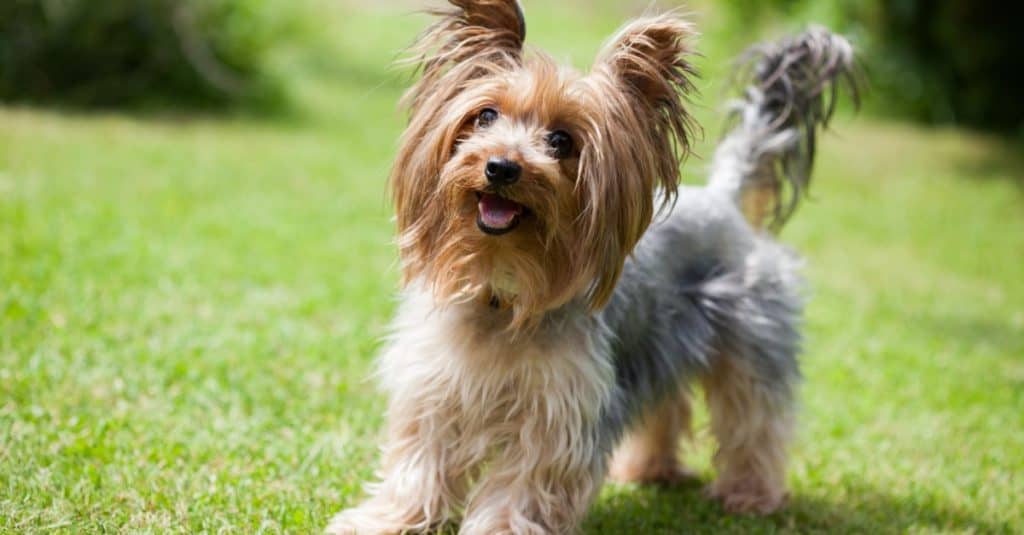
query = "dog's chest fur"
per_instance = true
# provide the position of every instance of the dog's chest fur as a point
(472, 376)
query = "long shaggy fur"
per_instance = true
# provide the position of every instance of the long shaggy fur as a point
(522, 356)
(640, 133)
(628, 117)
(793, 88)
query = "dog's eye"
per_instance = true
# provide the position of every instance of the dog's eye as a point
(560, 143)
(486, 117)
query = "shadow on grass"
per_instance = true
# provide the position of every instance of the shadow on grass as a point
(644, 511)
(1001, 159)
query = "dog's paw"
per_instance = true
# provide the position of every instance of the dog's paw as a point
(748, 497)
(341, 525)
(664, 472)
(348, 522)
(366, 520)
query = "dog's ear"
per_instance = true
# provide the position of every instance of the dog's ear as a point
(638, 136)
(471, 39)
(648, 62)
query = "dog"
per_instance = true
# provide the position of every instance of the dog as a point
(562, 292)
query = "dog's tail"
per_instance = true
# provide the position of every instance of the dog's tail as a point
(765, 160)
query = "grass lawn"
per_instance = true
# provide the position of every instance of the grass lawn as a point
(189, 308)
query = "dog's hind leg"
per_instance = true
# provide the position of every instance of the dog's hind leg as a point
(751, 380)
(649, 453)
(752, 421)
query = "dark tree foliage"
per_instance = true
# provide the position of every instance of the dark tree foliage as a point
(968, 55)
(127, 52)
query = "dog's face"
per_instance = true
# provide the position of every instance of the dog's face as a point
(526, 184)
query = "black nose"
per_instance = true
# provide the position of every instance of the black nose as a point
(502, 172)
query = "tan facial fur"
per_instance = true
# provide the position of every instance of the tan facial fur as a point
(585, 211)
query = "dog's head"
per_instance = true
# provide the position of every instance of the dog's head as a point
(522, 182)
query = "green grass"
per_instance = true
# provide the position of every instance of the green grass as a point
(189, 309)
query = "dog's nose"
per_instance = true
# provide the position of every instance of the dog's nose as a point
(502, 172)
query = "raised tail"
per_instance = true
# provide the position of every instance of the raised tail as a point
(765, 160)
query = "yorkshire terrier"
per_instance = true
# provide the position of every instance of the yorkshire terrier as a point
(562, 291)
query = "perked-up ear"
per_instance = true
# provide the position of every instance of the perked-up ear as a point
(474, 38)
(638, 137)
(648, 59)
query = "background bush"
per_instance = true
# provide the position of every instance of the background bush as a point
(936, 61)
(118, 52)
(950, 61)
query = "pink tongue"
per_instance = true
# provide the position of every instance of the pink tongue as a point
(497, 212)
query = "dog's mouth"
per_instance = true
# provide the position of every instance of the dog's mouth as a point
(497, 215)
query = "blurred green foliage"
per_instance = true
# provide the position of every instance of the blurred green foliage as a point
(936, 61)
(139, 52)
(952, 61)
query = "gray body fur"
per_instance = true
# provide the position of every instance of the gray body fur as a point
(703, 284)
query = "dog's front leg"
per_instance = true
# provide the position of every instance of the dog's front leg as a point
(421, 481)
(541, 483)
